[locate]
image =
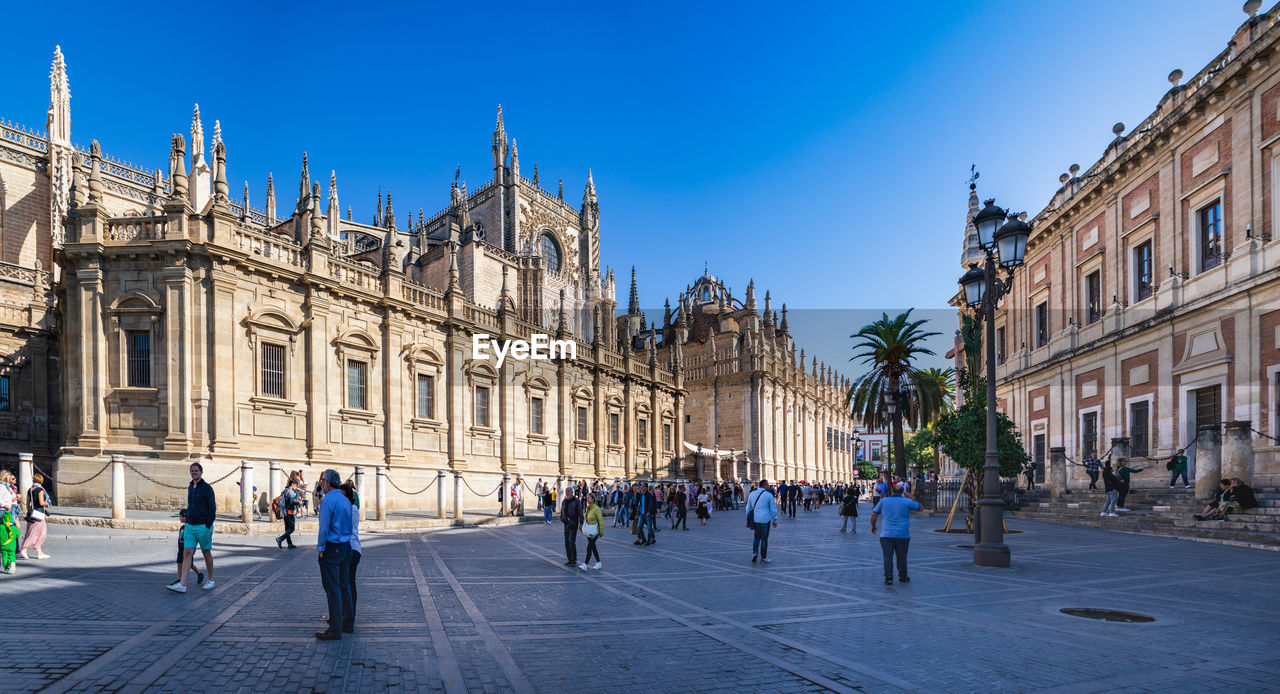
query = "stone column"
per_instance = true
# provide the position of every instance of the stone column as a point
(117, 486)
(273, 480)
(559, 488)
(457, 495)
(505, 494)
(1237, 451)
(1057, 471)
(1208, 460)
(359, 482)
(440, 494)
(380, 490)
(25, 463)
(246, 491)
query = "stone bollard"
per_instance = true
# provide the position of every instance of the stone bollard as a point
(246, 491)
(1208, 460)
(440, 494)
(380, 492)
(274, 488)
(457, 495)
(25, 463)
(504, 495)
(1057, 472)
(559, 488)
(117, 486)
(1119, 449)
(1237, 451)
(358, 475)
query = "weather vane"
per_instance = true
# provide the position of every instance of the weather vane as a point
(973, 176)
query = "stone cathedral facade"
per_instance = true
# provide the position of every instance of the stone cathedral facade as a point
(148, 313)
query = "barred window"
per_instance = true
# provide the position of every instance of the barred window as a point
(482, 406)
(5, 402)
(139, 358)
(1211, 236)
(1093, 297)
(582, 424)
(535, 415)
(642, 430)
(666, 437)
(1139, 429)
(357, 384)
(273, 370)
(613, 428)
(426, 396)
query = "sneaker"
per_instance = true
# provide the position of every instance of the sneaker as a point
(208, 585)
(1113, 515)
(328, 636)
(843, 530)
(637, 542)
(42, 555)
(755, 558)
(1186, 486)
(904, 579)
(177, 587)
(199, 577)
(1124, 510)
(888, 581)
(766, 560)
(582, 567)
(597, 566)
(279, 543)
(1103, 514)
(1171, 486)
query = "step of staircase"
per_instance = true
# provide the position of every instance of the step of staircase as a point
(1241, 531)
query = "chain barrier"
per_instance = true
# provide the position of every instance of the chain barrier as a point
(1265, 436)
(56, 481)
(153, 480)
(473, 491)
(233, 471)
(396, 487)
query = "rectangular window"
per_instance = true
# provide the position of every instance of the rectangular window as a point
(1037, 456)
(1089, 434)
(875, 451)
(535, 415)
(1093, 297)
(6, 404)
(273, 370)
(582, 424)
(139, 358)
(357, 384)
(482, 406)
(1142, 272)
(1209, 220)
(1140, 429)
(1000, 345)
(666, 437)
(613, 428)
(642, 430)
(426, 396)
(1042, 325)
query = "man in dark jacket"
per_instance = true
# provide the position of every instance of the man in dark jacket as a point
(647, 513)
(571, 517)
(202, 509)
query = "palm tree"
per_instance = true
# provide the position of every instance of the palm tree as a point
(944, 381)
(890, 346)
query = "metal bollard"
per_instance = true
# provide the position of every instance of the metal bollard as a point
(117, 486)
(440, 494)
(246, 491)
(380, 488)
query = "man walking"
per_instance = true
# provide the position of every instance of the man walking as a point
(571, 517)
(288, 503)
(645, 503)
(202, 508)
(762, 514)
(896, 536)
(333, 544)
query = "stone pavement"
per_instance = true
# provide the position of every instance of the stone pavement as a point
(494, 609)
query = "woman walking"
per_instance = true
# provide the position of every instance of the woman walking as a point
(703, 513)
(593, 528)
(37, 509)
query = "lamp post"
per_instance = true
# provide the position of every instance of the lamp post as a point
(1005, 246)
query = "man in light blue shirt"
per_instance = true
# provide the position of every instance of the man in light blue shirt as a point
(896, 510)
(762, 513)
(334, 546)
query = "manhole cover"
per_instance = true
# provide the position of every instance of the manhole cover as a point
(1107, 615)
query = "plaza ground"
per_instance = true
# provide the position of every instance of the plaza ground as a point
(495, 609)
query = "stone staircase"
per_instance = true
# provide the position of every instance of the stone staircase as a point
(1162, 511)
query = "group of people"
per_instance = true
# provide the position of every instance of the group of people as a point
(16, 508)
(1233, 495)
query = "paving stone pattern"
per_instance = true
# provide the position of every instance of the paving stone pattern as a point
(493, 610)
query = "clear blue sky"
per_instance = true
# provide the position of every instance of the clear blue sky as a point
(821, 149)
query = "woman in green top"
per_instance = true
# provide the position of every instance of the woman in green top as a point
(1179, 469)
(593, 528)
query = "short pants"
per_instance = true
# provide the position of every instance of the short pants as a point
(198, 536)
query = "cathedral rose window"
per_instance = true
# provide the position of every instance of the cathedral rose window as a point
(550, 250)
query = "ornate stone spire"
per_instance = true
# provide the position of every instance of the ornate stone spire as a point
(304, 186)
(348, 213)
(535, 174)
(562, 323)
(217, 133)
(506, 302)
(750, 303)
(782, 326)
(377, 213)
(95, 172)
(768, 311)
(314, 206)
(666, 315)
(464, 210)
(560, 191)
(197, 138)
(244, 203)
(58, 124)
(499, 144)
(221, 190)
(178, 165)
(389, 219)
(454, 283)
(515, 160)
(271, 200)
(590, 192)
(633, 299)
(61, 159)
(335, 210)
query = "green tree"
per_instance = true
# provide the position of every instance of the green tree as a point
(920, 446)
(944, 380)
(866, 471)
(890, 347)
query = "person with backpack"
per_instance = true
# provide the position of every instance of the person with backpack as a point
(762, 514)
(38, 504)
(548, 504)
(849, 510)
(285, 507)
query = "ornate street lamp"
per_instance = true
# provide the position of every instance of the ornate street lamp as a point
(1005, 246)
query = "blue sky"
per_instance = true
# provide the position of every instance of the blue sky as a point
(822, 149)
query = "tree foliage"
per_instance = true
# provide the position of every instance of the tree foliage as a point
(920, 448)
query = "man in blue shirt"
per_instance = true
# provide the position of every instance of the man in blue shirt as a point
(762, 514)
(896, 510)
(334, 547)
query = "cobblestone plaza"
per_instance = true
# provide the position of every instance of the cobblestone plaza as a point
(496, 610)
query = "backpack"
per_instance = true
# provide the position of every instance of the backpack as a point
(277, 507)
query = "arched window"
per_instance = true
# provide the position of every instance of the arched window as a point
(550, 250)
